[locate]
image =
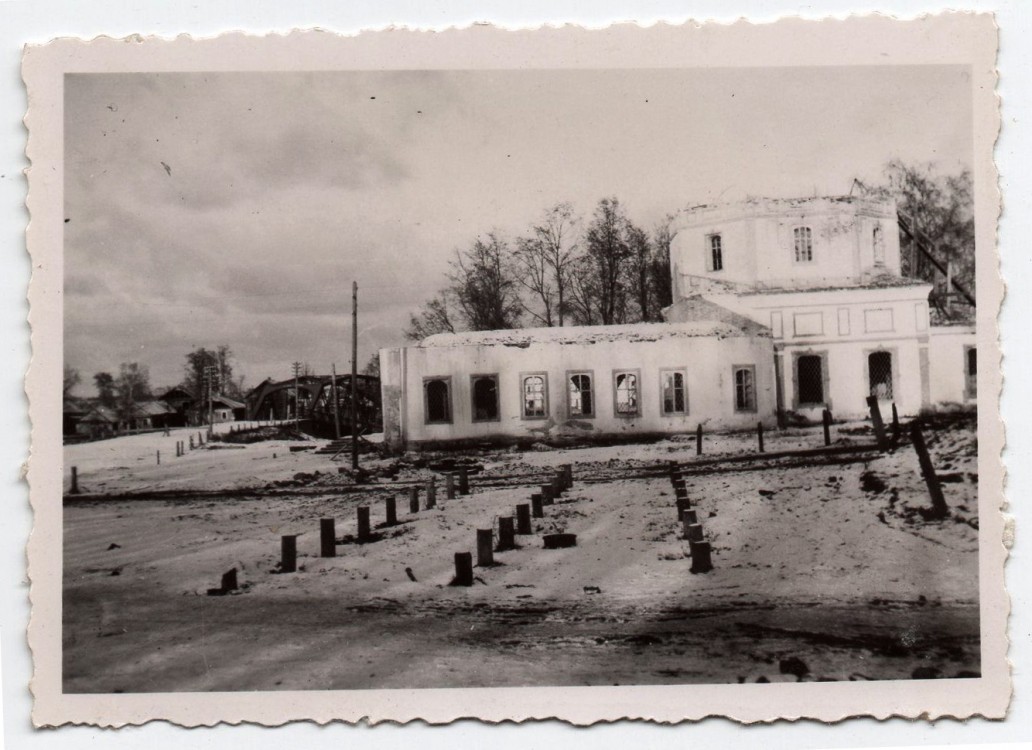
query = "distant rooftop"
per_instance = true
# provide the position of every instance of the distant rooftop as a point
(761, 205)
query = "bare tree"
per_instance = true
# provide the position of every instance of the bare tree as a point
(484, 286)
(544, 262)
(660, 270)
(71, 380)
(639, 276)
(599, 289)
(131, 387)
(436, 316)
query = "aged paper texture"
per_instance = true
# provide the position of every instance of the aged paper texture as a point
(636, 373)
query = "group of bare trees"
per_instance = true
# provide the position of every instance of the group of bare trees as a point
(560, 272)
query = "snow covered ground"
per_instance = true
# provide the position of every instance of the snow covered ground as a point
(832, 567)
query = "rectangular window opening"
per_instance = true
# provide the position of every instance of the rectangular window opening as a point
(716, 252)
(626, 385)
(879, 374)
(803, 237)
(535, 395)
(810, 380)
(437, 398)
(672, 387)
(580, 395)
(745, 388)
(484, 392)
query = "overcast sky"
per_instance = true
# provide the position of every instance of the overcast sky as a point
(281, 189)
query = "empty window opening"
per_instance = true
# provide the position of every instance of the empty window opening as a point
(438, 401)
(581, 401)
(879, 373)
(626, 393)
(534, 396)
(810, 379)
(745, 389)
(879, 247)
(803, 244)
(485, 398)
(971, 371)
(674, 401)
(716, 252)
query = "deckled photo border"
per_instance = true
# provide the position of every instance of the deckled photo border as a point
(953, 38)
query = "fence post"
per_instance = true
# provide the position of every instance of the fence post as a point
(506, 533)
(391, 509)
(694, 532)
(688, 518)
(568, 475)
(698, 440)
(701, 557)
(327, 538)
(191, 442)
(75, 481)
(463, 569)
(759, 434)
(464, 481)
(876, 422)
(939, 507)
(485, 547)
(413, 499)
(557, 485)
(449, 486)
(523, 525)
(288, 553)
(547, 495)
(363, 523)
(159, 458)
(826, 419)
(431, 494)
(683, 504)
(229, 580)
(895, 425)
(536, 506)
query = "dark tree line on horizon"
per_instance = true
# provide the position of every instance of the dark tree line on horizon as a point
(609, 270)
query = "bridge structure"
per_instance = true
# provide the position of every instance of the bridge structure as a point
(311, 403)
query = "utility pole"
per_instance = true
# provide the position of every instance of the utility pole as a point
(209, 380)
(336, 403)
(354, 375)
(297, 397)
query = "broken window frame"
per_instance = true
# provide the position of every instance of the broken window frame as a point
(446, 380)
(524, 377)
(750, 405)
(473, 379)
(971, 377)
(617, 411)
(570, 375)
(802, 241)
(714, 252)
(673, 411)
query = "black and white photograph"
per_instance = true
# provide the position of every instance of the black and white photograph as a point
(520, 378)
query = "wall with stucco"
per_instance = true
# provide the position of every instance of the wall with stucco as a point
(946, 349)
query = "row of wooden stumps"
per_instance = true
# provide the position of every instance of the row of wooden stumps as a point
(520, 524)
(698, 547)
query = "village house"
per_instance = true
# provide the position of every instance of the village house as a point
(782, 308)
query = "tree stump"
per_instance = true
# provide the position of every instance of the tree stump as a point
(702, 561)
(463, 569)
(463, 481)
(391, 511)
(568, 475)
(536, 506)
(327, 538)
(229, 580)
(431, 495)
(694, 532)
(826, 419)
(759, 435)
(449, 486)
(559, 541)
(698, 440)
(523, 525)
(485, 547)
(413, 499)
(547, 496)
(683, 504)
(688, 517)
(363, 523)
(506, 534)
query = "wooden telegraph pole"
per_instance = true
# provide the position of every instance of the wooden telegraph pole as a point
(336, 403)
(297, 397)
(354, 375)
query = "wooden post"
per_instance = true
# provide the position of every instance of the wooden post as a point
(199, 441)
(191, 442)
(75, 481)
(826, 419)
(327, 538)
(547, 495)
(413, 499)
(159, 458)
(557, 486)
(353, 406)
(363, 523)
(536, 506)
(506, 533)
(682, 504)
(876, 422)
(688, 517)
(463, 569)
(568, 474)
(336, 401)
(449, 486)
(701, 557)
(939, 507)
(694, 532)
(463, 481)
(485, 547)
(431, 494)
(391, 511)
(677, 478)
(698, 440)
(229, 581)
(895, 425)
(759, 435)
(523, 525)
(288, 553)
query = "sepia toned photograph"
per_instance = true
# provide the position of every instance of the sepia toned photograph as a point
(522, 378)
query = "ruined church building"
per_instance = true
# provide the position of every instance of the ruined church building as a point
(781, 307)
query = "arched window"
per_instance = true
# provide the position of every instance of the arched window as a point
(803, 237)
(437, 397)
(485, 398)
(879, 246)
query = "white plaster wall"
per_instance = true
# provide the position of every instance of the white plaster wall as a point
(946, 362)
(708, 361)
